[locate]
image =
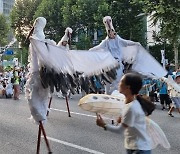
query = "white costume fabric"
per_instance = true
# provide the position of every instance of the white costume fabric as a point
(135, 134)
(173, 87)
(36, 95)
(66, 38)
(9, 89)
(58, 66)
(127, 51)
(89, 63)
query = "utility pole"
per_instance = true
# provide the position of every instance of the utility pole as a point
(176, 55)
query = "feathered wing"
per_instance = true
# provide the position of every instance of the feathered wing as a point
(52, 56)
(89, 63)
(147, 64)
(142, 61)
(92, 63)
(156, 134)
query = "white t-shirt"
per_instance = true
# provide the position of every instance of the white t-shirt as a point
(135, 134)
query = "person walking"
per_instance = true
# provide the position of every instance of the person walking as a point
(164, 96)
(16, 84)
(132, 121)
(174, 97)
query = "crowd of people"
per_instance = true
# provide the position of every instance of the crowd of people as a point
(158, 90)
(12, 82)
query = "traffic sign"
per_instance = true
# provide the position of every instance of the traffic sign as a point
(9, 52)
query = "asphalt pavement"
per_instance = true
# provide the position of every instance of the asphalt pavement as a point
(77, 134)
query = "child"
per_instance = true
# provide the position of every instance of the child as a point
(132, 121)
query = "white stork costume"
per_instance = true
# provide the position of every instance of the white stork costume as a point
(52, 66)
(36, 95)
(128, 53)
(65, 38)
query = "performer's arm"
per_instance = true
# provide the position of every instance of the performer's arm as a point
(102, 45)
(127, 42)
(116, 129)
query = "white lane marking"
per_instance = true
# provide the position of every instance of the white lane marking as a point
(74, 146)
(73, 112)
(87, 115)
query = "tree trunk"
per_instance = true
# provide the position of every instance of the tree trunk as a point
(175, 47)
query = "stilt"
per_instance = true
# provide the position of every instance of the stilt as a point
(49, 106)
(45, 138)
(39, 140)
(68, 106)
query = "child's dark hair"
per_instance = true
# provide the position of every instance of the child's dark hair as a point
(134, 80)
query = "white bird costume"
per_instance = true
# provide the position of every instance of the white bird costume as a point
(36, 95)
(127, 52)
(52, 66)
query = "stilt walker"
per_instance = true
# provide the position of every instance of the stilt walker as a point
(130, 55)
(64, 43)
(36, 95)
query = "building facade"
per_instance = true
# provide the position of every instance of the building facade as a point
(6, 6)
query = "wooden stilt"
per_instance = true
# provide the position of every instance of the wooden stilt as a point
(45, 138)
(39, 140)
(68, 106)
(49, 106)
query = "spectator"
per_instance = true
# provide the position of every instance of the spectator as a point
(16, 83)
(9, 90)
(174, 97)
(2, 90)
(164, 96)
(137, 141)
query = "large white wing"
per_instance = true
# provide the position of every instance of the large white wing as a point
(89, 63)
(156, 134)
(142, 61)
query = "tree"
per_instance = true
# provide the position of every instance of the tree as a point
(81, 15)
(52, 11)
(168, 14)
(126, 21)
(4, 29)
(21, 22)
(22, 18)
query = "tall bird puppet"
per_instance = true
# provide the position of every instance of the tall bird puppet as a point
(52, 67)
(129, 54)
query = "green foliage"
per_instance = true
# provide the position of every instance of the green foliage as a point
(21, 22)
(22, 18)
(156, 52)
(84, 42)
(82, 16)
(4, 29)
(167, 13)
(126, 20)
(51, 10)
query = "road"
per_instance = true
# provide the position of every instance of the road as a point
(71, 135)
